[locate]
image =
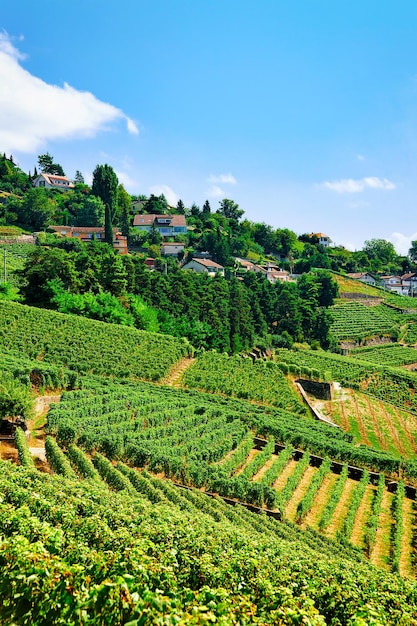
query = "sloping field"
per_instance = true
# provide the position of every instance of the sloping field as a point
(355, 321)
(84, 345)
(394, 355)
(395, 385)
(143, 550)
(240, 378)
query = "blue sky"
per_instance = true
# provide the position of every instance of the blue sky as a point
(303, 112)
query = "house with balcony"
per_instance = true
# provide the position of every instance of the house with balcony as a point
(165, 225)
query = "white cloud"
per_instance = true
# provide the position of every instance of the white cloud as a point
(215, 192)
(402, 243)
(127, 181)
(32, 112)
(170, 195)
(222, 178)
(351, 185)
(360, 157)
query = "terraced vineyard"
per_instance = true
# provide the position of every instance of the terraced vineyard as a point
(102, 535)
(394, 355)
(84, 345)
(238, 377)
(395, 385)
(373, 422)
(345, 504)
(16, 254)
(355, 321)
(143, 550)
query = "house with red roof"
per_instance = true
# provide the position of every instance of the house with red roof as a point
(166, 225)
(91, 233)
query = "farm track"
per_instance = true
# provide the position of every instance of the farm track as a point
(380, 555)
(312, 518)
(407, 549)
(174, 377)
(299, 493)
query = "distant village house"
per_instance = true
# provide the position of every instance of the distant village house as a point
(165, 225)
(52, 181)
(204, 265)
(90, 233)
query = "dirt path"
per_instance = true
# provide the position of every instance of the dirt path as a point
(322, 497)
(381, 553)
(299, 493)
(406, 568)
(174, 377)
(359, 526)
(252, 454)
(258, 476)
(283, 477)
(341, 510)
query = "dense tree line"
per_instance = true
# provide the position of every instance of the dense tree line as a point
(228, 314)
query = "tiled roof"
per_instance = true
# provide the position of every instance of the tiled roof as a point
(148, 219)
(82, 229)
(207, 263)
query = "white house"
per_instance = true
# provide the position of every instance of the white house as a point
(172, 249)
(204, 265)
(324, 240)
(394, 283)
(364, 277)
(52, 181)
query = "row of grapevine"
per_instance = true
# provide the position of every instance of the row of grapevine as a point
(389, 384)
(353, 320)
(393, 354)
(84, 345)
(239, 377)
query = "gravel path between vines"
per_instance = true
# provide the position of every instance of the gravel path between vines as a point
(173, 379)
(407, 538)
(381, 552)
(359, 526)
(299, 493)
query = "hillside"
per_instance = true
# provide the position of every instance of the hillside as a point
(100, 530)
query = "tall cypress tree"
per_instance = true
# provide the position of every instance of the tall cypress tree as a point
(105, 186)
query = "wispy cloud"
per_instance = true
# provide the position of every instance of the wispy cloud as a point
(402, 243)
(222, 178)
(126, 180)
(216, 192)
(32, 112)
(360, 157)
(170, 195)
(351, 185)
